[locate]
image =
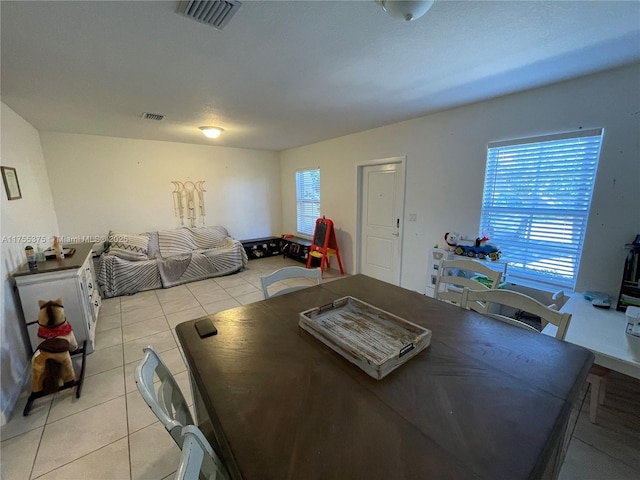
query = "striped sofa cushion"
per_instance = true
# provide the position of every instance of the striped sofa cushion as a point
(209, 237)
(129, 247)
(184, 240)
(121, 277)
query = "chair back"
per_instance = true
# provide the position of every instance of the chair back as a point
(482, 300)
(164, 397)
(198, 460)
(288, 273)
(449, 286)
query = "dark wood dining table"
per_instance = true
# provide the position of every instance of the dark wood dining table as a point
(485, 400)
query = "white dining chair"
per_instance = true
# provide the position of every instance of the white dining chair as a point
(484, 301)
(288, 273)
(164, 397)
(198, 460)
(456, 274)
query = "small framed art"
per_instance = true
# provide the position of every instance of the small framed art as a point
(11, 185)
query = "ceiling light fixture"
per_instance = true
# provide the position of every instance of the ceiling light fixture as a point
(406, 10)
(211, 132)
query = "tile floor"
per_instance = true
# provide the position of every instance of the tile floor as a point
(110, 433)
(610, 449)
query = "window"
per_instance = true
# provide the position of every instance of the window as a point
(307, 200)
(535, 206)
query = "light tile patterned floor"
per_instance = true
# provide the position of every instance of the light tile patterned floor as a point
(110, 433)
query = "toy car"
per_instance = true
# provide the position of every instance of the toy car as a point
(481, 251)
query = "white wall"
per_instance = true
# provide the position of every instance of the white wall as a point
(32, 215)
(106, 183)
(446, 155)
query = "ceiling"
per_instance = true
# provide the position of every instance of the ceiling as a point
(284, 74)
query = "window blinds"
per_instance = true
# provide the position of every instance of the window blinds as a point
(307, 200)
(536, 201)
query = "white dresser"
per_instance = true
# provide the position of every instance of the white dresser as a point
(72, 279)
(433, 262)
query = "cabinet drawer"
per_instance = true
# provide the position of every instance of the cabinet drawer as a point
(96, 303)
(88, 276)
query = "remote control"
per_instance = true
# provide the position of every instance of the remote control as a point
(205, 328)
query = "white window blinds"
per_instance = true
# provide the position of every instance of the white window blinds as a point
(307, 200)
(535, 206)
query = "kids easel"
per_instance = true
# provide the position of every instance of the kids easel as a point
(324, 245)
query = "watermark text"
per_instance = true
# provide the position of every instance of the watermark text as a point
(64, 239)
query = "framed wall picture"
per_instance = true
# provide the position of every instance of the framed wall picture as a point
(11, 185)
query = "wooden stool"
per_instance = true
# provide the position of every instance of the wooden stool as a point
(598, 379)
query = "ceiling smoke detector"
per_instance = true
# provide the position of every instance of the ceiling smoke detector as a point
(152, 116)
(406, 10)
(216, 13)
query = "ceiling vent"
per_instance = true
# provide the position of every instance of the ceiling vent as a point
(152, 116)
(216, 13)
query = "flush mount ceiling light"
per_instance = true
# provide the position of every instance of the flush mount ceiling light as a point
(211, 132)
(406, 10)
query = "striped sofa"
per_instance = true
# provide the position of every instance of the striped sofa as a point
(166, 258)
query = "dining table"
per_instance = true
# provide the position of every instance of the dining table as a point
(484, 400)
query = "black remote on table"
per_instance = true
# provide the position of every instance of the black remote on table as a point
(205, 328)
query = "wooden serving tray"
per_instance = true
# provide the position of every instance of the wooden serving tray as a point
(376, 341)
(49, 254)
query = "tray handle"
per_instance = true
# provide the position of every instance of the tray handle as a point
(335, 304)
(406, 349)
(324, 308)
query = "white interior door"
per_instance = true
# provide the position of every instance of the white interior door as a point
(381, 222)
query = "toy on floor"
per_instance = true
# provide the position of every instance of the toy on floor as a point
(51, 362)
(51, 366)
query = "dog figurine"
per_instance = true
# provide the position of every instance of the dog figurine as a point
(51, 362)
(451, 239)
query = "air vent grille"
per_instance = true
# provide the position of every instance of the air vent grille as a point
(216, 13)
(152, 116)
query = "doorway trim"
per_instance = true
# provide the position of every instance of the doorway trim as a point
(359, 189)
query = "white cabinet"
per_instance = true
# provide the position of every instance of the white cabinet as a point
(73, 280)
(433, 259)
(436, 254)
